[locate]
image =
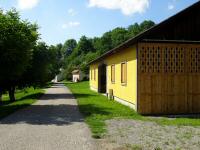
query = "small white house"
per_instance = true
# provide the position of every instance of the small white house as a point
(77, 75)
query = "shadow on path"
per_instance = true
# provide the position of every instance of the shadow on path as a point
(45, 115)
(61, 109)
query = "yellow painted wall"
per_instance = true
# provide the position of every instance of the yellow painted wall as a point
(126, 92)
(129, 91)
(94, 81)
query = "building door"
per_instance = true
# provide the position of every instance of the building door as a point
(102, 78)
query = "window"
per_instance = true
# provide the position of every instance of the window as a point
(95, 74)
(113, 73)
(91, 74)
(124, 73)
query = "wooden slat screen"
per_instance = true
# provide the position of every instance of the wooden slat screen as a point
(113, 73)
(168, 78)
(162, 59)
(194, 60)
(124, 73)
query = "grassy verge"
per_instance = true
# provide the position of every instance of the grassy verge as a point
(24, 98)
(97, 108)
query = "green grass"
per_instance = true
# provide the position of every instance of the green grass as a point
(97, 109)
(24, 98)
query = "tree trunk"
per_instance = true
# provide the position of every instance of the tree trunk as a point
(11, 92)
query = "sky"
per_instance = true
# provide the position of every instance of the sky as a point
(60, 20)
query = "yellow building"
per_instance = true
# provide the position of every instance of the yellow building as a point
(158, 71)
(121, 84)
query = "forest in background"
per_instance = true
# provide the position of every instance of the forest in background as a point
(76, 55)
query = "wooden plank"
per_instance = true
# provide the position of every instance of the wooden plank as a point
(157, 94)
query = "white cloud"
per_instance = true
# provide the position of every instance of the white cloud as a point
(128, 7)
(171, 6)
(70, 24)
(27, 4)
(72, 12)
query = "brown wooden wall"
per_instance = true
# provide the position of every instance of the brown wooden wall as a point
(168, 78)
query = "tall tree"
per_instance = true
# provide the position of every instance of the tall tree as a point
(17, 38)
(44, 66)
(68, 47)
(118, 36)
(146, 25)
(55, 60)
(59, 50)
(84, 45)
(106, 43)
(133, 30)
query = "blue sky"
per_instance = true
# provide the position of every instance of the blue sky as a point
(60, 20)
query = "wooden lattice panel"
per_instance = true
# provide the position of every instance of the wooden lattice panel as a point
(173, 59)
(168, 58)
(150, 60)
(180, 57)
(194, 60)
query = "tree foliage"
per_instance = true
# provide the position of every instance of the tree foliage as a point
(24, 61)
(118, 36)
(84, 45)
(88, 49)
(68, 47)
(44, 66)
(17, 39)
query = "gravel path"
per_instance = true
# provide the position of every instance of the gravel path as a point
(52, 123)
(140, 135)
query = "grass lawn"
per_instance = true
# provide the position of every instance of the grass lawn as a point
(24, 98)
(97, 108)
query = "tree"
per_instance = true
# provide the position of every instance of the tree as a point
(44, 66)
(68, 47)
(84, 45)
(105, 43)
(55, 60)
(145, 25)
(133, 30)
(59, 50)
(17, 38)
(37, 72)
(118, 36)
(96, 42)
(77, 58)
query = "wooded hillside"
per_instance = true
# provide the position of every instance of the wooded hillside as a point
(76, 55)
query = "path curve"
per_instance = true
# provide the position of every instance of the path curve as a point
(52, 123)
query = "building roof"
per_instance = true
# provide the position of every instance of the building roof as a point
(75, 71)
(183, 26)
